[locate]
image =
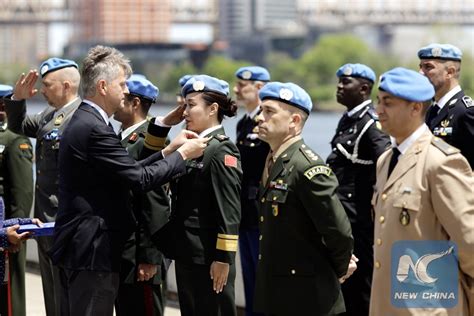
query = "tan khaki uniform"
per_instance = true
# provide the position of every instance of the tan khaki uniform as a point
(434, 183)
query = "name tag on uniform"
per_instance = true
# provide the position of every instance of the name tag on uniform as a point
(442, 131)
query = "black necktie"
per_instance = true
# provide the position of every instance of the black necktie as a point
(432, 113)
(393, 160)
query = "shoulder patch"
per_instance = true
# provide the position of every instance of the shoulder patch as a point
(308, 153)
(221, 137)
(311, 172)
(446, 148)
(24, 146)
(467, 100)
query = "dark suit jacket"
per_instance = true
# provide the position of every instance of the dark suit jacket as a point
(96, 174)
(455, 124)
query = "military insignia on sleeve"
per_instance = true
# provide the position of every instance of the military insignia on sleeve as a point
(59, 119)
(230, 161)
(467, 101)
(310, 173)
(24, 146)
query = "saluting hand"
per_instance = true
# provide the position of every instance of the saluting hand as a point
(352, 267)
(175, 116)
(25, 86)
(219, 273)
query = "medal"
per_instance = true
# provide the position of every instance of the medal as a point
(275, 209)
(404, 217)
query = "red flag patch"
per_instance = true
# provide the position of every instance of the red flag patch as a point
(230, 161)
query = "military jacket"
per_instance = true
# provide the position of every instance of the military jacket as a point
(305, 242)
(253, 152)
(16, 173)
(205, 206)
(355, 148)
(455, 124)
(151, 212)
(47, 127)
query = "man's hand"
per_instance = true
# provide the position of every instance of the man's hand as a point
(178, 141)
(146, 271)
(14, 238)
(193, 148)
(175, 116)
(352, 267)
(219, 273)
(25, 86)
(37, 222)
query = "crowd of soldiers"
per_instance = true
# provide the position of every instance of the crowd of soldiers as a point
(314, 236)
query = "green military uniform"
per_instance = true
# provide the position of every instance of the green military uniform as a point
(47, 127)
(16, 189)
(305, 241)
(204, 227)
(151, 211)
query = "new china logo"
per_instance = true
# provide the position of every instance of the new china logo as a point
(424, 274)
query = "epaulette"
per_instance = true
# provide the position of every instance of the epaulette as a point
(467, 101)
(373, 114)
(446, 148)
(221, 137)
(308, 153)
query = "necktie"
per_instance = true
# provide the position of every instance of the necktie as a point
(432, 113)
(268, 167)
(393, 160)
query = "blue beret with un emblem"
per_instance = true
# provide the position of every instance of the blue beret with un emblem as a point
(407, 84)
(356, 70)
(182, 81)
(5, 90)
(205, 83)
(253, 73)
(54, 64)
(140, 86)
(288, 93)
(440, 51)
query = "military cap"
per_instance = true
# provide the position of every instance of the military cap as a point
(5, 90)
(205, 83)
(253, 73)
(356, 70)
(440, 51)
(407, 84)
(288, 93)
(140, 86)
(182, 81)
(54, 64)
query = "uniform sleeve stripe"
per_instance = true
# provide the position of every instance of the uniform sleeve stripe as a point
(154, 142)
(225, 236)
(226, 244)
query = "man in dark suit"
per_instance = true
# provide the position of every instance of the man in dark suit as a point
(355, 149)
(253, 153)
(59, 85)
(95, 217)
(142, 273)
(451, 117)
(305, 235)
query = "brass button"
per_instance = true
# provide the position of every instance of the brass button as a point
(274, 198)
(259, 257)
(382, 219)
(261, 218)
(349, 195)
(293, 271)
(377, 264)
(379, 241)
(384, 197)
(260, 237)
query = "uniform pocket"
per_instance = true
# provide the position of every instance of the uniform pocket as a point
(410, 201)
(278, 196)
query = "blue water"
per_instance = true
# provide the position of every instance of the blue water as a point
(318, 131)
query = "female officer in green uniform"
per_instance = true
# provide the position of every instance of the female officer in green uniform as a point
(202, 234)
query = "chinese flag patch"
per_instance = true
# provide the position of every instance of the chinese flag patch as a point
(230, 161)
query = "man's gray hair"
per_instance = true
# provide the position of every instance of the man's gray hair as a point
(102, 63)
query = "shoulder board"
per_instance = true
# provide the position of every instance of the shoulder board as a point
(467, 100)
(315, 170)
(221, 137)
(308, 153)
(373, 114)
(446, 148)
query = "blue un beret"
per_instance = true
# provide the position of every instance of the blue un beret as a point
(54, 64)
(205, 83)
(5, 90)
(407, 84)
(440, 51)
(356, 70)
(254, 73)
(182, 81)
(288, 93)
(140, 86)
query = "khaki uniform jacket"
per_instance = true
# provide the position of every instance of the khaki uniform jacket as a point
(433, 182)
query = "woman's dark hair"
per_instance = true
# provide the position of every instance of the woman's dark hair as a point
(226, 105)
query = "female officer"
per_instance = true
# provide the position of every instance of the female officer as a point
(205, 209)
